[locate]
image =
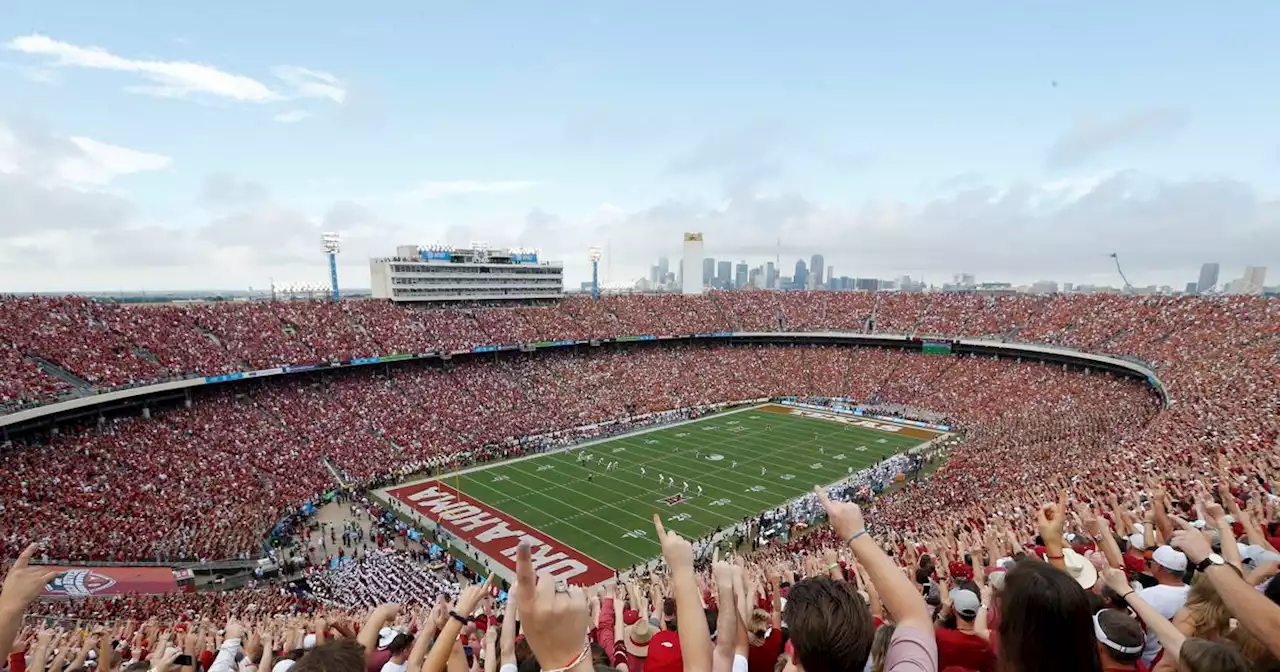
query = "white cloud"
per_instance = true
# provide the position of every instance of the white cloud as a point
(307, 83)
(171, 79)
(100, 162)
(1090, 138)
(182, 79)
(432, 190)
(292, 116)
(76, 161)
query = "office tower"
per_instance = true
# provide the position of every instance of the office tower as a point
(770, 276)
(653, 275)
(831, 274)
(664, 267)
(800, 280)
(1191, 288)
(691, 278)
(815, 267)
(1254, 279)
(708, 271)
(723, 270)
(740, 280)
(754, 277)
(1208, 277)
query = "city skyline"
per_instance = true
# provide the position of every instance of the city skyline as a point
(742, 273)
(615, 130)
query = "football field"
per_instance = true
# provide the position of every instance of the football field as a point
(735, 464)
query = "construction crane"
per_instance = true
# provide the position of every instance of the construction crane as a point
(1127, 285)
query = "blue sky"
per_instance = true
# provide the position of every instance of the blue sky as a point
(163, 146)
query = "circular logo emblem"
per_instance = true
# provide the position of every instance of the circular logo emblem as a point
(715, 457)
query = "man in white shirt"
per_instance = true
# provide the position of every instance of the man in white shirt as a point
(1168, 567)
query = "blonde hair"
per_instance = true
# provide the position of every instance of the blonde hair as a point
(1209, 617)
(880, 646)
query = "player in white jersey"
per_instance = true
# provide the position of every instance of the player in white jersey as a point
(671, 482)
(699, 489)
(686, 486)
(642, 471)
(762, 471)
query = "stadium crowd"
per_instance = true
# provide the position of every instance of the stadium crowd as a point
(1079, 525)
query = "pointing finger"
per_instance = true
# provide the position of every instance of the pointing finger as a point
(657, 524)
(525, 580)
(822, 497)
(25, 556)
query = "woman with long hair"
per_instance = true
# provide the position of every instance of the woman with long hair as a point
(1041, 604)
(1204, 616)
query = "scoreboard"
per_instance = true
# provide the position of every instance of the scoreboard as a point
(935, 346)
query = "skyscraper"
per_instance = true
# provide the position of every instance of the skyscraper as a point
(831, 274)
(1208, 277)
(708, 271)
(1254, 279)
(740, 280)
(1191, 288)
(770, 276)
(723, 271)
(690, 275)
(801, 276)
(664, 267)
(816, 264)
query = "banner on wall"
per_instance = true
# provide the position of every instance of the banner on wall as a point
(77, 582)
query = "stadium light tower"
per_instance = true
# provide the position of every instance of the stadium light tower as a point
(594, 254)
(331, 243)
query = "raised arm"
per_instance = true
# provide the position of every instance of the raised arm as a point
(1255, 613)
(1170, 637)
(22, 586)
(442, 651)
(508, 642)
(695, 637)
(368, 636)
(899, 596)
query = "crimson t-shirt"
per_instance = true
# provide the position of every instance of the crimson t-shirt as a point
(964, 650)
(764, 658)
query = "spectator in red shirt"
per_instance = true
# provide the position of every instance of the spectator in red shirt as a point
(959, 645)
(766, 642)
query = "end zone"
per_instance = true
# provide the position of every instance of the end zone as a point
(496, 534)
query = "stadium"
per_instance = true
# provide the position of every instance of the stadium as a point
(205, 436)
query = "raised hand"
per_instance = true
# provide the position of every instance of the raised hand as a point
(471, 596)
(1050, 518)
(24, 583)
(553, 615)
(676, 549)
(845, 517)
(1116, 580)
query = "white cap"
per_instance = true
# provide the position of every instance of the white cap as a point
(282, 666)
(1174, 561)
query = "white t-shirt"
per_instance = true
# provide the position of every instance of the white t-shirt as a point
(1167, 600)
(393, 666)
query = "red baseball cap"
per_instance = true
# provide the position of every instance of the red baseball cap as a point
(664, 653)
(630, 616)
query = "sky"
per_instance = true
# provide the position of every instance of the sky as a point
(160, 145)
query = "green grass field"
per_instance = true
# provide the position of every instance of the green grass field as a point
(610, 517)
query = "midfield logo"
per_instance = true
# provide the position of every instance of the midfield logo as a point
(675, 499)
